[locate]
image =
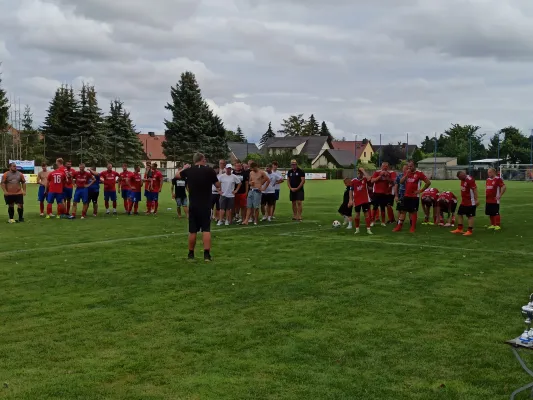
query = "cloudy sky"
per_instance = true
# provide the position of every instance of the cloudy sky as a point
(394, 67)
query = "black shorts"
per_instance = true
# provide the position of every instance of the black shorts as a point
(410, 204)
(364, 207)
(345, 210)
(444, 207)
(297, 196)
(215, 201)
(467, 211)
(268, 199)
(429, 202)
(93, 197)
(492, 209)
(390, 200)
(14, 199)
(199, 219)
(380, 200)
(399, 204)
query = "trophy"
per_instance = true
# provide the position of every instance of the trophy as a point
(527, 313)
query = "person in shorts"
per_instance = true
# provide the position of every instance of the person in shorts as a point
(215, 198)
(383, 181)
(344, 210)
(94, 190)
(268, 198)
(494, 190)
(277, 186)
(429, 201)
(179, 194)
(242, 193)
(360, 200)
(399, 189)
(259, 181)
(14, 188)
(469, 203)
(446, 203)
(296, 182)
(42, 181)
(229, 186)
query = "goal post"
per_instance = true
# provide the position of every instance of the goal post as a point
(517, 172)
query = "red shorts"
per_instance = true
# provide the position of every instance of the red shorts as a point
(240, 200)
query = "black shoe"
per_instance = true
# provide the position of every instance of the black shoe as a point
(207, 257)
(190, 256)
(19, 220)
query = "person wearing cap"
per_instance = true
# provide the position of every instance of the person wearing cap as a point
(296, 181)
(229, 186)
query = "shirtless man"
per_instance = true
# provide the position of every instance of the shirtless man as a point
(259, 182)
(42, 181)
(14, 188)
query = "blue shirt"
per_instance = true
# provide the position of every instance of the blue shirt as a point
(401, 186)
(95, 186)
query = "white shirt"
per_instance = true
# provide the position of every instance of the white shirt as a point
(214, 189)
(274, 177)
(277, 186)
(228, 183)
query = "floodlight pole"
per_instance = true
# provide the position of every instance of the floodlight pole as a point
(531, 147)
(380, 149)
(355, 154)
(435, 158)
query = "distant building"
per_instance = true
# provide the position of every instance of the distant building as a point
(311, 146)
(239, 151)
(331, 158)
(405, 148)
(360, 150)
(439, 168)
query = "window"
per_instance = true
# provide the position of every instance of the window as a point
(163, 164)
(364, 154)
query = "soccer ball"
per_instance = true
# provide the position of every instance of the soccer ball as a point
(336, 224)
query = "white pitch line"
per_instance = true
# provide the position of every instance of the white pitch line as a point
(85, 244)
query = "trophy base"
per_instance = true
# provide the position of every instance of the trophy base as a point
(517, 342)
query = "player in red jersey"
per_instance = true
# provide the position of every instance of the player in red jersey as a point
(82, 179)
(124, 186)
(155, 189)
(446, 203)
(147, 183)
(469, 203)
(495, 188)
(411, 179)
(390, 198)
(136, 184)
(55, 186)
(429, 200)
(69, 187)
(360, 199)
(109, 179)
(382, 181)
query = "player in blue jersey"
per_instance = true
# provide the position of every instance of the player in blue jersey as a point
(94, 190)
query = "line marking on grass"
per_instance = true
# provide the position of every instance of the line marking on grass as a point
(166, 235)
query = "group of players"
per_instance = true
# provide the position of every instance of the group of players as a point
(57, 186)
(374, 195)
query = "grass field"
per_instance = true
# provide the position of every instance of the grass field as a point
(109, 308)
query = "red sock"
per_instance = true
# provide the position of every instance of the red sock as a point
(148, 206)
(60, 209)
(49, 208)
(414, 217)
(460, 227)
(383, 216)
(156, 205)
(371, 213)
(367, 222)
(41, 206)
(434, 219)
(357, 221)
(84, 214)
(390, 213)
(126, 206)
(497, 220)
(73, 214)
(68, 206)
(115, 205)
(136, 207)
(106, 203)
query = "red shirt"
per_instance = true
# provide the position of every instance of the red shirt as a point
(433, 193)
(157, 181)
(125, 179)
(56, 181)
(110, 179)
(392, 183)
(412, 183)
(467, 191)
(360, 191)
(493, 190)
(136, 182)
(69, 172)
(448, 197)
(382, 185)
(82, 178)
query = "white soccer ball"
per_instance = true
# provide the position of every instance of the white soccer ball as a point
(336, 224)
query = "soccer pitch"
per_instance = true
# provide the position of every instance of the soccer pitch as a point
(109, 307)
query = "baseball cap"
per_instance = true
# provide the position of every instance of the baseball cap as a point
(229, 166)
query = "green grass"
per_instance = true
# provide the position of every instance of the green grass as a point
(98, 309)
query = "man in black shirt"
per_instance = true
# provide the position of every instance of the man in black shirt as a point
(200, 179)
(296, 181)
(242, 193)
(179, 194)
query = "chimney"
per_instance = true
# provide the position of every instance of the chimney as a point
(151, 134)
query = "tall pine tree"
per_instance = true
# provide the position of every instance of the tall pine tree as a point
(121, 129)
(31, 146)
(311, 127)
(240, 135)
(269, 134)
(95, 147)
(193, 126)
(324, 131)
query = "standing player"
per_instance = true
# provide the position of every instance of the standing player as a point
(147, 183)
(42, 181)
(277, 186)
(268, 198)
(56, 183)
(179, 193)
(382, 181)
(109, 179)
(82, 179)
(494, 191)
(94, 190)
(411, 200)
(399, 189)
(136, 184)
(242, 193)
(429, 201)
(155, 189)
(360, 199)
(124, 186)
(69, 187)
(259, 181)
(14, 188)
(345, 210)
(296, 182)
(229, 186)
(469, 203)
(391, 195)
(447, 203)
(215, 197)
